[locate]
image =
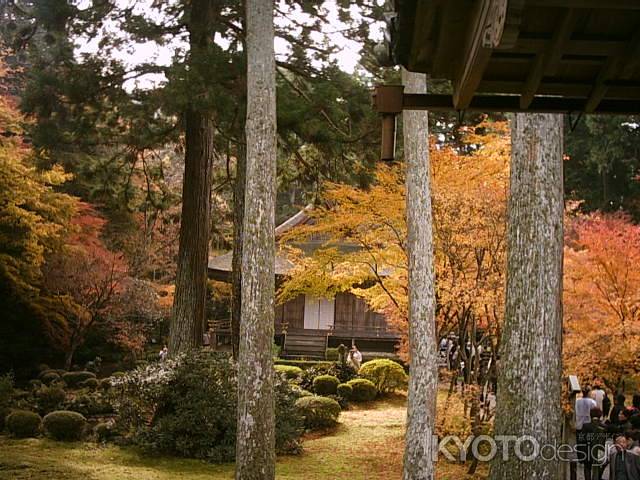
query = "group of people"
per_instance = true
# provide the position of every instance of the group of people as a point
(608, 437)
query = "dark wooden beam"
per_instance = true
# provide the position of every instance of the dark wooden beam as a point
(485, 31)
(616, 90)
(587, 4)
(511, 103)
(601, 47)
(549, 58)
(609, 70)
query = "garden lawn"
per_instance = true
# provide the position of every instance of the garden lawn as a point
(367, 445)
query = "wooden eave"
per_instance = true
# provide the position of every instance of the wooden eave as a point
(584, 55)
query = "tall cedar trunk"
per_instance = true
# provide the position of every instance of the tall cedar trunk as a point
(236, 268)
(188, 316)
(255, 448)
(423, 382)
(531, 347)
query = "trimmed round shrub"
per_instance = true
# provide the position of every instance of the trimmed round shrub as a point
(43, 366)
(290, 372)
(50, 398)
(91, 383)
(49, 377)
(363, 390)
(105, 384)
(73, 379)
(318, 412)
(385, 374)
(64, 425)
(345, 391)
(118, 374)
(331, 354)
(325, 384)
(35, 384)
(23, 423)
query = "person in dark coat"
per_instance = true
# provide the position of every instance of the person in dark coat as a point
(623, 464)
(591, 445)
(617, 408)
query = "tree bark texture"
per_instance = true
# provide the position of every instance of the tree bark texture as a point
(236, 273)
(423, 379)
(529, 377)
(189, 304)
(189, 313)
(255, 448)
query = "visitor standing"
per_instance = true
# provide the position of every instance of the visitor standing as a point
(583, 408)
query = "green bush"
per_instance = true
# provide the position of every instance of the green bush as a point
(49, 376)
(325, 384)
(118, 374)
(290, 372)
(193, 401)
(64, 425)
(91, 383)
(90, 404)
(345, 391)
(105, 384)
(103, 431)
(318, 412)
(23, 423)
(385, 374)
(363, 390)
(73, 379)
(49, 399)
(331, 354)
(35, 384)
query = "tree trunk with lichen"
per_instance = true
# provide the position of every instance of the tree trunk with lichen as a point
(255, 447)
(529, 378)
(423, 380)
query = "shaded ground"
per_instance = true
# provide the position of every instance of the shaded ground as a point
(366, 446)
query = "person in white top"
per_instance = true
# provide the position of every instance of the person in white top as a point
(583, 408)
(598, 395)
(355, 358)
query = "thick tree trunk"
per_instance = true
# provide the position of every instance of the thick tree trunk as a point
(529, 378)
(423, 380)
(236, 273)
(188, 319)
(189, 312)
(255, 448)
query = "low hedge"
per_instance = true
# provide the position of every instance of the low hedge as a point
(304, 364)
(23, 423)
(64, 425)
(385, 374)
(74, 379)
(318, 412)
(345, 391)
(363, 390)
(290, 372)
(325, 384)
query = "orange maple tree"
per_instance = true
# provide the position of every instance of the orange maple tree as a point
(469, 204)
(602, 297)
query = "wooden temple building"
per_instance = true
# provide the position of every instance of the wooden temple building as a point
(306, 326)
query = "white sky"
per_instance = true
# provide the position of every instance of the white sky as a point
(348, 56)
